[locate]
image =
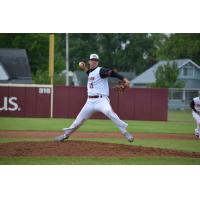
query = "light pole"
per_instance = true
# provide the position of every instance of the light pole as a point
(67, 58)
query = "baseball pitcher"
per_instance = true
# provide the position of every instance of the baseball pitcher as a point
(98, 97)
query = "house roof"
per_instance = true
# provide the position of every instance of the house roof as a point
(3, 74)
(128, 75)
(15, 63)
(148, 76)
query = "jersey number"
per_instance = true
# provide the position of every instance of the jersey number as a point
(91, 85)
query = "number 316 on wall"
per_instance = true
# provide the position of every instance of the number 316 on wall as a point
(44, 90)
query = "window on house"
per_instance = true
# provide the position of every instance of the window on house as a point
(188, 71)
(175, 94)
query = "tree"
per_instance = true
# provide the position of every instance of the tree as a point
(124, 51)
(181, 45)
(36, 45)
(167, 75)
(80, 46)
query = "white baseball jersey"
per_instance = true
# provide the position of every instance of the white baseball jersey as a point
(97, 85)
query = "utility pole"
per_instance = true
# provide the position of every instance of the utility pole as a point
(67, 59)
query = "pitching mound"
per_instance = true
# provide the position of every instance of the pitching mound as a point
(85, 148)
(52, 134)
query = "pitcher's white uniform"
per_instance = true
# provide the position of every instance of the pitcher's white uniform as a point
(98, 99)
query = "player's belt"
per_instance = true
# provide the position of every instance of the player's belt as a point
(96, 96)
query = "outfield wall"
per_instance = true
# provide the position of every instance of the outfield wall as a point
(35, 101)
(25, 100)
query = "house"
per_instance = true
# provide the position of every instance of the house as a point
(73, 81)
(189, 73)
(14, 66)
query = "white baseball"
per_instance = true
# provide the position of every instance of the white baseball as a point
(81, 64)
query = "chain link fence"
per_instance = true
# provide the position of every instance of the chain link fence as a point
(179, 99)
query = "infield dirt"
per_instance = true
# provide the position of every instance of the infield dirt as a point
(86, 148)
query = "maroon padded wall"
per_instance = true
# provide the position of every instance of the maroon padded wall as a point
(61, 101)
(133, 104)
(19, 93)
(126, 104)
(159, 105)
(31, 99)
(43, 101)
(142, 104)
(78, 95)
(24, 102)
(68, 101)
(3, 93)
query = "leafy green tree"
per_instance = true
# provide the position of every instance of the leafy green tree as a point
(80, 46)
(167, 75)
(181, 45)
(123, 51)
(41, 77)
(36, 45)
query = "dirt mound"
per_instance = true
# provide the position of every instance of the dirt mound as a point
(52, 134)
(85, 148)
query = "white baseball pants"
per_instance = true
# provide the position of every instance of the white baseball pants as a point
(96, 105)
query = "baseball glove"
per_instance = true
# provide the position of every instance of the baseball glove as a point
(122, 86)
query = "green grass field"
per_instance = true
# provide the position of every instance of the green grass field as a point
(98, 161)
(179, 122)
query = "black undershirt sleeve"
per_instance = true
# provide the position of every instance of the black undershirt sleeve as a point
(87, 72)
(192, 106)
(106, 72)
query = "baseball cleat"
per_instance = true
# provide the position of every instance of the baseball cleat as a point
(61, 138)
(129, 136)
(197, 136)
